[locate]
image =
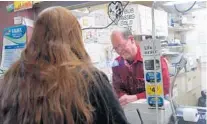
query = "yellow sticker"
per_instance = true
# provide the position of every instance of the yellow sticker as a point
(85, 22)
(151, 90)
(21, 5)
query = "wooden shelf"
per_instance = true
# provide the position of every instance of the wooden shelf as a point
(174, 46)
(170, 53)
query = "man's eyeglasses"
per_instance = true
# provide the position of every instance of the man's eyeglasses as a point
(120, 47)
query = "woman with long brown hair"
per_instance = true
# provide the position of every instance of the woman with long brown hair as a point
(54, 81)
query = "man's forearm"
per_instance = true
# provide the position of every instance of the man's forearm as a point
(141, 95)
(120, 94)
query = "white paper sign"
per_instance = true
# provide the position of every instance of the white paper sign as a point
(95, 52)
(130, 18)
(14, 40)
(100, 18)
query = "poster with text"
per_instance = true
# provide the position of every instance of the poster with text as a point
(14, 40)
(153, 72)
(22, 5)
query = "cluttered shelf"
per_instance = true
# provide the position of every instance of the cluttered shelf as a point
(179, 28)
(172, 49)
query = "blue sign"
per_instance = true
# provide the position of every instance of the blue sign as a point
(15, 32)
(151, 78)
(14, 42)
(152, 101)
(15, 46)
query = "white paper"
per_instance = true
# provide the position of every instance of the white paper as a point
(103, 36)
(86, 21)
(14, 39)
(130, 19)
(89, 36)
(28, 22)
(100, 18)
(95, 51)
(18, 20)
(141, 10)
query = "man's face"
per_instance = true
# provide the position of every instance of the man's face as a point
(122, 46)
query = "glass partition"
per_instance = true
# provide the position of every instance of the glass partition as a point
(180, 33)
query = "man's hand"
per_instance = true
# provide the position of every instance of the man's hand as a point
(125, 99)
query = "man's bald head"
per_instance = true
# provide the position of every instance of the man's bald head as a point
(120, 34)
(123, 42)
(124, 31)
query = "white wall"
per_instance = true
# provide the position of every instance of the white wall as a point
(201, 44)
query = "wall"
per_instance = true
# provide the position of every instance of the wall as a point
(201, 16)
(7, 20)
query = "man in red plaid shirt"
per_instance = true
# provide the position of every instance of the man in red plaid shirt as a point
(128, 73)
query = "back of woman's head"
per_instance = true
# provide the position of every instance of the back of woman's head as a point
(57, 33)
(47, 85)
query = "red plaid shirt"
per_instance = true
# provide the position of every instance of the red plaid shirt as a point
(129, 78)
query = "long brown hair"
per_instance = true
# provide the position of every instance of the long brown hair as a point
(47, 83)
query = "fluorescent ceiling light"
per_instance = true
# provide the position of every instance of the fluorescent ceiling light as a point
(175, 2)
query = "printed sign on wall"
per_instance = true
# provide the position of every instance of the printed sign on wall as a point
(22, 5)
(129, 19)
(152, 72)
(14, 40)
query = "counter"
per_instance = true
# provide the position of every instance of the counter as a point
(147, 114)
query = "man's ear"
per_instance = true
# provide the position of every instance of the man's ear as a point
(131, 37)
